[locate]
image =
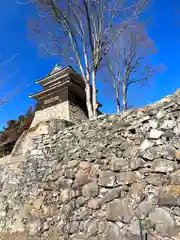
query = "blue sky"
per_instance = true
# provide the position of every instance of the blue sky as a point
(29, 65)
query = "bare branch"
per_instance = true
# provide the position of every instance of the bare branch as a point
(87, 30)
(8, 60)
(131, 65)
(5, 80)
(30, 1)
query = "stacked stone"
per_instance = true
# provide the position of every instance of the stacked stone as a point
(100, 180)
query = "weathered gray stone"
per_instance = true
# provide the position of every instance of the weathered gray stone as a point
(117, 141)
(90, 190)
(81, 214)
(125, 177)
(38, 203)
(131, 236)
(61, 183)
(144, 208)
(125, 145)
(134, 228)
(111, 194)
(177, 129)
(119, 164)
(168, 152)
(46, 226)
(112, 232)
(153, 123)
(64, 195)
(169, 134)
(80, 201)
(119, 210)
(4, 206)
(84, 165)
(74, 226)
(94, 172)
(137, 189)
(136, 163)
(121, 124)
(169, 196)
(176, 211)
(91, 228)
(73, 163)
(17, 225)
(34, 227)
(174, 177)
(155, 134)
(107, 178)
(81, 179)
(162, 220)
(155, 179)
(151, 153)
(79, 236)
(160, 114)
(175, 142)
(146, 144)
(131, 152)
(163, 166)
(94, 204)
(159, 142)
(70, 173)
(168, 124)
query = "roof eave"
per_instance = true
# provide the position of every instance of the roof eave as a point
(36, 95)
(52, 75)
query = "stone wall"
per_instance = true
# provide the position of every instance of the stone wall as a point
(77, 115)
(58, 111)
(65, 110)
(25, 141)
(98, 180)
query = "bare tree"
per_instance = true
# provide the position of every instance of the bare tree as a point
(6, 95)
(130, 64)
(84, 31)
(116, 81)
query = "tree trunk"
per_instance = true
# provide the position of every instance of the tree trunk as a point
(124, 96)
(118, 107)
(94, 94)
(88, 100)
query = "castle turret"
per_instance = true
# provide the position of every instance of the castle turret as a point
(62, 97)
